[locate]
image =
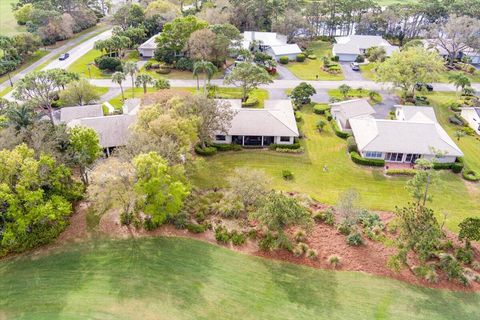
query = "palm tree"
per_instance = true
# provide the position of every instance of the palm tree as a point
(118, 77)
(143, 80)
(20, 116)
(206, 67)
(459, 80)
(130, 67)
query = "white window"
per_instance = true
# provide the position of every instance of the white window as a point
(373, 154)
(284, 139)
(394, 157)
(220, 137)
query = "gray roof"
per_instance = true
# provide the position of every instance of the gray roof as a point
(71, 113)
(353, 44)
(131, 106)
(275, 119)
(418, 113)
(149, 44)
(112, 130)
(402, 136)
(352, 108)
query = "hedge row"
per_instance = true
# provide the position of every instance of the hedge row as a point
(339, 133)
(358, 159)
(275, 146)
(470, 175)
(456, 167)
(321, 108)
(401, 172)
(207, 151)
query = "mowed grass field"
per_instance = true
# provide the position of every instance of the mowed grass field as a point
(175, 278)
(8, 24)
(451, 194)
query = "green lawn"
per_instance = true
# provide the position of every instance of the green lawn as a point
(352, 94)
(309, 69)
(80, 66)
(470, 145)
(37, 55)
(174, 278)
(367, 72)
(451, 194)
(8, 24)
(179, 74)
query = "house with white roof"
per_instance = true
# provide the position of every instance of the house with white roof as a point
(472, 116)
(348, 48)
(343, 111)
(415, 134)
(434, 44)
(271, 43)
(254, 127)
(147, 49)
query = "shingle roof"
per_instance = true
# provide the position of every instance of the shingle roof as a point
(286, 49)
(70, 113)
(353, 108)
(418, 113)
(277, 42)
(149, 44)
(402, 136)
(275, 119)
(353, 44)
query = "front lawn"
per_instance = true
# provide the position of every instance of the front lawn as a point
(353, 94)
(367, 71)
(451, 194)
(80, 66)
(175, 278)
(310, 68)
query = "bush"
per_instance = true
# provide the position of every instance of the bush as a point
(344, 228)
(464, 255)
(400, 172)
(227, 147)
(470, 175)
(108, 63)
(161, 84)
(287, 174)
(455, 106)
(297, 251)
(312, 254)
(222, 235)
(163, 70)
(312, 57)
(237, 238)
(421, 101)
(184, 64)
(250, 103)
(286, 150)
(298, 116)
(320, 125)
(303, 247)
(196, 228)
(328, 115)
(365, 161)
(338, 132)
(321, 108)
(283, 60)
(360, 59)
(355, 239)
(180, 221)
(326, 217)
(300, 57)
(457, 167)
(450, 265)
(293, 146)
(336, 58)
(468, 131)
(456, 120)
(207, 151)
(351, 144)
(300, 236)
(334, 260)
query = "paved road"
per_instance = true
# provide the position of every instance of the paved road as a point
(74, 55)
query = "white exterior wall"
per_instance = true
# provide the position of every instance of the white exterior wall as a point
(147, 53)
(475, 59)
(228, 140)
(446, 159)
(346, 57)
(277, 140)
(472, 118)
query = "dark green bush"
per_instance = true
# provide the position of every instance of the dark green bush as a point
(108, 63)
(222, 235)
(227, 146)
(455, 106)
(354, 239)
(335, 58)
(237, 238)
(328, 115)
(287, 175)
(196, 228)
(268, 242)
(464, 255)
(293, 146)
(250, 103)
(457, 167)
(365, 161)
(326, 217)
(283, 60)
(442, 166)
(339, 133)
(456, 120)
(344, 228)
(207, 151)
(321, 108)
(300, 57)
(360, 59)
(180, 220)
(184, 64)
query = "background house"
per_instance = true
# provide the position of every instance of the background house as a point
(472, 54)
(270, 43)
(147, 49)
(348, 48)
(275, 123)
(343, 111)
(472, 116)
(416, 134)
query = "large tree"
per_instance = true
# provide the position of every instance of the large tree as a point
(249, 185)
(79, 93)
(84, 149)
(207, 68)
(39, 88)
(404, 69)
(457, 34)
(248, 76)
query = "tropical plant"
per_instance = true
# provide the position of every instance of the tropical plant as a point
(118, 78)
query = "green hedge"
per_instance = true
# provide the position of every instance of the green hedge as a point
(339, 133)
(274, 146)
(442, 166)
(283, 60)
(457, 167)
(401, 172)
(470, 175)
(366, 162)
(207, 151)
(328, 115)
(321, 108)
(250, 103)
(227, 147)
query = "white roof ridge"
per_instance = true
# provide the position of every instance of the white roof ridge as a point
(283, 123)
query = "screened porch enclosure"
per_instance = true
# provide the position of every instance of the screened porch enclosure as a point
(253, 141)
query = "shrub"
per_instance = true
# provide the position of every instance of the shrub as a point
(161, 84)
(431, 276)
(338, 132)
(468, 131)
(180, 220)
(293, 146)
(196, 228)
(464, 255)
(326, 217)
(312, 57)
(451, 266)
(287, 174)
(207, 151)
(321, 108)
(457, 167)
(334, 260)
(286, 150)
(163, 70)
(320, 125)
(300, 236)
(328, 115)
(108, 63)
(351, 144)
(303, 247)
(184, 64)
(336, 58)
(470, 175)
(227, 147)
(344, 228)
(354, 239)
(297, 251)
(237, 238)
(283, 60)
(360, 58)
(365, 161)
(250, 103)
(222, 235)
(312, 254)
(455, 106)
(442, 166)
(298, 116)
(476, 265)
(456, 120)
(300, 57)
(400, 172)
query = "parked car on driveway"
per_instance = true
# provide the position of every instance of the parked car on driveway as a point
(421, 86)
(355, 66)
(64, 56)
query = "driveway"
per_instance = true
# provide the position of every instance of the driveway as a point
(349, 74)
(277, 94)
(382, 110)
(284, 73)
(321, 96)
